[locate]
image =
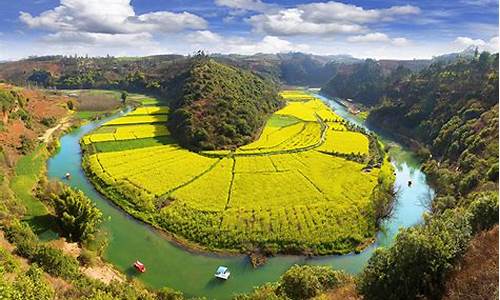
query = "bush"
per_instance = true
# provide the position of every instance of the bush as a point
(417, 264)
(77, 214)
(167, 293)
(49, 121)
(27, 145)
(483, 212)
(55, 262)
(305, 282)
(87, 257)
(52, 261)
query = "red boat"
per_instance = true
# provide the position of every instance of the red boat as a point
(139, 266)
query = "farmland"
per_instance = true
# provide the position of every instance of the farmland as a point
(289, 191)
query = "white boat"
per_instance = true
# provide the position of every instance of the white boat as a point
(222, 273)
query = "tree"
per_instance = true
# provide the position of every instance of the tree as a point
(418, 262)
(305, 282)
(123, 97)
(77, 215)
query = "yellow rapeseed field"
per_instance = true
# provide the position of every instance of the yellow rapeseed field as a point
(281, 190)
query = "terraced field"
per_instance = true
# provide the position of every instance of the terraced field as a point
(291, 190)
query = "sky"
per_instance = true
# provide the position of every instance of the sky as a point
(394, 29)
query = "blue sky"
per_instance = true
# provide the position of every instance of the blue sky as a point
(368, 28)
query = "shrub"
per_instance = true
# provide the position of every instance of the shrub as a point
(167, 293)
(55, 262)
(78, 215)
(305, 282)
(27, 145)
(483, 212)
(417, 263)
(49, 121)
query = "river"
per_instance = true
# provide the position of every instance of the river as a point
(192, 273)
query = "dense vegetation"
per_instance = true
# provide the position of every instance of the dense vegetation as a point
(451, 113)
(219, 106)
(299, 283)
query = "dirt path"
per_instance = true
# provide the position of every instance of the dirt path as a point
(99, 270)
(62, 125)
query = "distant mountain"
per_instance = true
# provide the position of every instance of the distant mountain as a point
(468, 53)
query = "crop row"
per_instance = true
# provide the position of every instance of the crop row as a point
(137, 119)
(149, 110)
(126, 132)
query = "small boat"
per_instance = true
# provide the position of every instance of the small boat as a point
(222, 273)
(139, 266)
(67, 175)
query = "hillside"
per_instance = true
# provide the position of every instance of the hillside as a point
(451, 110)
(218, 106)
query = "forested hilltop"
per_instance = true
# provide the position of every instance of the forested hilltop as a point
(218, 106)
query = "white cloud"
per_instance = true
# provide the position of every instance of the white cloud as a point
(291, 22)
(480, 2)
(111, 17)
(215, 43)
(378, 37)
(326, 12)
(491, 45)
(100, 39)
(246, 5)
(269, 44)
(111, 23)
(326, 18)
(203, 37)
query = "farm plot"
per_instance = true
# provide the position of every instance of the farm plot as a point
(300, 135)
(126, 132)
(345, 142)
(157, 170)
(309, 111)
(217, 181)
(296, 95)
(149, 110)
(143, 122)
(138, 119)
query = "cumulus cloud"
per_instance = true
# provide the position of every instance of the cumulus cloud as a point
(108, 22)
(101, 39)
(203, 37)
(326, 17)
(240, 45)
(246, 5)
(377, 37)
(490, 45)
(269, 44)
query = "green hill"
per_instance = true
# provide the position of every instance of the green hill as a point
(217, 106)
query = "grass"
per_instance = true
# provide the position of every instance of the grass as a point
(27, 171)
(109, 146)
(273, 195)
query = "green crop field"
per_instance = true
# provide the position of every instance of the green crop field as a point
(290, 190)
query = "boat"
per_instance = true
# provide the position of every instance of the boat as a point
(67, 175)
(222, 273)
(139, 266)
